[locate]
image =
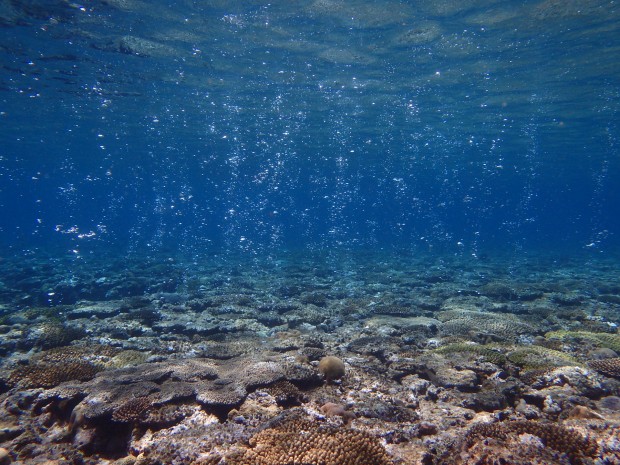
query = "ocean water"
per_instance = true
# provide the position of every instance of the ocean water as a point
(192, 128)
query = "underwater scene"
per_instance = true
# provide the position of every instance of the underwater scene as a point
(309, 232)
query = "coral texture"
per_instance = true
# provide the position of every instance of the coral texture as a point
(577, 448)
(300, 441)
(609, 366)
(50, 375)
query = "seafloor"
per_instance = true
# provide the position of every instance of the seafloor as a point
(447, 360)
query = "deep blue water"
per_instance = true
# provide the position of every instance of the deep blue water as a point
(194, 127)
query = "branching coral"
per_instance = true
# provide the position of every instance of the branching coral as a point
(608, 366)
(607, 340)
(300, 441)
(537, 357)
(487, 352)
(47, 375)
(577, 448)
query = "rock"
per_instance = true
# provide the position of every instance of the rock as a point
(463, 380)
(5, 457)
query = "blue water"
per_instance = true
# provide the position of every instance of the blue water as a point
(187, 128)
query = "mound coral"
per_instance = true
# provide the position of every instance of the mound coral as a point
(331, 368)
(47, 375)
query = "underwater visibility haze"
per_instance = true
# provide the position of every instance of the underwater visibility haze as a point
(383, 231)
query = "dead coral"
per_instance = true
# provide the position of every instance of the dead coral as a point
(205, 440)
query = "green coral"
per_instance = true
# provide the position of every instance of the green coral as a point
(529, 357)
(536, 357)
(503, 327)
(127, 358)
(488, 352)
(606, 340)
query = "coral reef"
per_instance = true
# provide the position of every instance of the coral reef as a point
(577, 448)
(609, 366)
(296, 440)
(606, 340)
(226, 367)
(45, 375)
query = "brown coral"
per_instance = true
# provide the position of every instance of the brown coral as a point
(576, 447)
(165, 415)
(304, 442)
(285, 393)
(132, 410)
(49, 375)
(331, 409)
(608, 366)
(331, 368)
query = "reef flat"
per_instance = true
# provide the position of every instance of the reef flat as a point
(341, 358)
